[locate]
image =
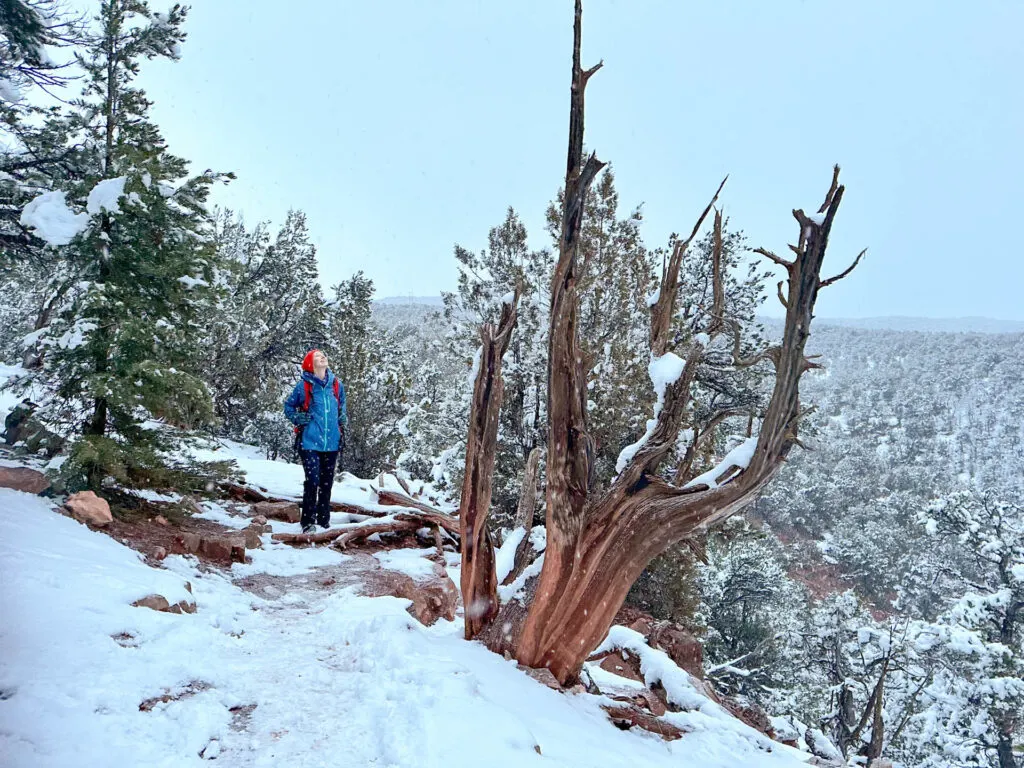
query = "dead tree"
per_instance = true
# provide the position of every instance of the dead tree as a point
(598, 544)
(479, 578)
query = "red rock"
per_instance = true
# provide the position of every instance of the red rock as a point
(287, 511)
(89, 508)
(159, 553)
(160, 603)
(433, 597)
(252, 537)
(23, 479)
(226, 549)
(160, 520)
(259, 520)
(626, 716)
(681, 646)
(189, 542)
(153, 602)
(542, 676)
(644, 699)
(617, 664)
(750, 713)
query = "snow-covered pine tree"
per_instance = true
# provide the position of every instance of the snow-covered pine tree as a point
(752, 610)
(485, 280)
(122, 347)
(859, 678)
(974, 713)
(27, 29)
(36, 155)
(376, 378)
(271, 311)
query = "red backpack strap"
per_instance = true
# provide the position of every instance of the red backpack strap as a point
(337, 391)
(309, 394)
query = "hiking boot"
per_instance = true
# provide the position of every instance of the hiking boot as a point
(309, 528)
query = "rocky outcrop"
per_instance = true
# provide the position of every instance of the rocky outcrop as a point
(23, 479)
(22, 428)
(681, 645)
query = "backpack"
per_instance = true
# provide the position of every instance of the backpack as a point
(307, 388)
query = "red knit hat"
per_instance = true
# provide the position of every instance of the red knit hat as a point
(307, 361)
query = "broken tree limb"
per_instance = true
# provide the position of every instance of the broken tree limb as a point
(479, 577)
(310, 538)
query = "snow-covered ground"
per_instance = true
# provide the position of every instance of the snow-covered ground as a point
(336, 678)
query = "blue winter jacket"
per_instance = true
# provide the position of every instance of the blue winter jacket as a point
(326, 413)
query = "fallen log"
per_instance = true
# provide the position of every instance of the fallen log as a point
(396, 499)
(353, 535)
(245, 493)
(398, 523)
(310, 538)
(252, 496)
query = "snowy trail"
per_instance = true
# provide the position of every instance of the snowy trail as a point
(285, 672)
(366, 681)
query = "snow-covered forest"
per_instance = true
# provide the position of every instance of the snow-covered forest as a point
(858, 600)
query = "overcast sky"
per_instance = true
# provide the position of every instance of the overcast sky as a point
(404, 127)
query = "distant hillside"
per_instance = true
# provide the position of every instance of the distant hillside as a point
(433, 301)
(919, 324)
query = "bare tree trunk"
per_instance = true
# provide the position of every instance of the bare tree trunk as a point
(1005, 750)
(479, 578)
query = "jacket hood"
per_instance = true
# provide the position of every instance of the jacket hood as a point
(312, 379)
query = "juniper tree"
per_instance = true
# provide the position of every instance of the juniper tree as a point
(598, 542)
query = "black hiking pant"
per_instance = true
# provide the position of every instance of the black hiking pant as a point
(316, 491)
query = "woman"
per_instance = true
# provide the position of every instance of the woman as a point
(316, 407)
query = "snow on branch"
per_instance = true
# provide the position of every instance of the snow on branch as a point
(663, 370)
(736, 459)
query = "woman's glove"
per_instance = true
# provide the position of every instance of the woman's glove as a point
(301, 419)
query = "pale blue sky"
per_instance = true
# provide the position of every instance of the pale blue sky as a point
(404, 127)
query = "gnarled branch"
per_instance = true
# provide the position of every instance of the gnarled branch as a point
(845, 272)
